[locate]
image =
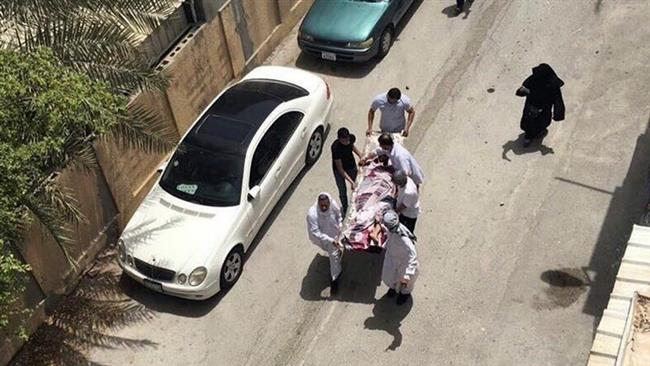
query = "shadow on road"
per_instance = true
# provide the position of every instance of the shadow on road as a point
(625, 209)
(358, 282)
(450, 11)
(168, 304)
(407, 18)
(360, 278)
(598, 6)
(316, 280)
(517, 147)
(352, 70)
(388, 316)
(85, 319)
(340, 69)
(566, 285)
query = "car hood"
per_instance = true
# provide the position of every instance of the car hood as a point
(174, 234)
(342, 20)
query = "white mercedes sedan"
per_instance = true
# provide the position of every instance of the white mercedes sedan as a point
(188, 237)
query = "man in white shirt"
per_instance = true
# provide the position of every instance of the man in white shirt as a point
(408, 200)
(400, 158)
(392, 105)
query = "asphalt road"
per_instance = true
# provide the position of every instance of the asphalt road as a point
(518, 247)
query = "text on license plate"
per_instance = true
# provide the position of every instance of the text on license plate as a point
(328, 56)
(153, 285)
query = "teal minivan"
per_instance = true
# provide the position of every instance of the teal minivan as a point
(351, 30)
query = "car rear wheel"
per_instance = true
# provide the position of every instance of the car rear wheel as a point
(232, 267)
(315, 146)
(385, 42)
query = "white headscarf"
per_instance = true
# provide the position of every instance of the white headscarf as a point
(333, 205)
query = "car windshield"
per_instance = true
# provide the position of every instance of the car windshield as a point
(203, 176)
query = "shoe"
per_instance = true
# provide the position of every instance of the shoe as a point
(334, 287)
(458, 10)
(403, 298)
(527, 142)
(391, 293)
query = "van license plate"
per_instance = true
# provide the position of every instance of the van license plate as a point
(328, 56)
(153, 285)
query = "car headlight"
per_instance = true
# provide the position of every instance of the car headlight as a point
(365, 44)
(121, 251)
(306, 37)
(198, 276)
(181, 278)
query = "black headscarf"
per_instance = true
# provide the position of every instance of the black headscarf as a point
(544, 77)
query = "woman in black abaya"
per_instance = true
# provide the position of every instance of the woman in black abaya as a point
(543, 100)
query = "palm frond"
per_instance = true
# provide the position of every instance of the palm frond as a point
(122, 78)
(62, 200)
(54, 222)
(145, 130)
(79, 153)
(140, 24)
(136, 18)
(103, 51)
(103, 38)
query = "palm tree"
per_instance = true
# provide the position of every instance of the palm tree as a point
(102, 39)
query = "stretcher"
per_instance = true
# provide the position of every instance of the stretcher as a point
(374, 194)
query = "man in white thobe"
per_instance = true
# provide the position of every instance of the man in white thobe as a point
(399, 157)
(324, 227)
(408, 200)
(401, 259)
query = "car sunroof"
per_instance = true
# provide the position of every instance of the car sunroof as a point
(224, 129)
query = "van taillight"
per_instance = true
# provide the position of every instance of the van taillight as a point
(327, 90)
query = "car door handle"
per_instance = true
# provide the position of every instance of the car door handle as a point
(303, 132)
(278, 171)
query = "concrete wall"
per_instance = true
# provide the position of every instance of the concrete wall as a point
(199, 70)
(127, 171)
(237, 36)
(52, 275)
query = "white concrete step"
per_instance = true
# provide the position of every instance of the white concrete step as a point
(606, 345)
(637, 254)
(612, 324)
(620, 306)
(598, 360)
(639, 273)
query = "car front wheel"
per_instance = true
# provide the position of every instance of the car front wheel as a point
(385, 42)
(232, 267)
(315, 146)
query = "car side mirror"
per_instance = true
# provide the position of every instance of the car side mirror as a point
(253, 193)
(162, 167)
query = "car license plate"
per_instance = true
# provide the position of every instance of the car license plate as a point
(153, 285)
(328, 56)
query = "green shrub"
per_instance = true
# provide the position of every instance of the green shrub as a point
(50, 117)
(12, 283)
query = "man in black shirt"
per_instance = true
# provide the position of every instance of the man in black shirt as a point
(343, 163)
